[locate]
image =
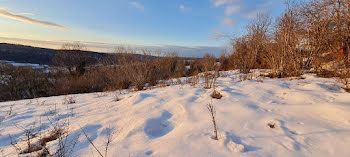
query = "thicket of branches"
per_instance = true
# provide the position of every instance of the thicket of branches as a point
(306, 36)
(70, 74)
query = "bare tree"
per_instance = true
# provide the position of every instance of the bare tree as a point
(224, 61)
(259, 35)
(241, 56)
(287, 39)
(71, 57)
(249, 50)
(316, 32)
(341, 14)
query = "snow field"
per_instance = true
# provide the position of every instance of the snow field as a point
(311, 118)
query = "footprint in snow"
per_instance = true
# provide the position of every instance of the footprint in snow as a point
(149, 152)
(158, 127)
(234, 147)
(2, 118)
(235, 144)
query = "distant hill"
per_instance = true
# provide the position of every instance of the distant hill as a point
(26, 54)
(37, 55)
(43, 56)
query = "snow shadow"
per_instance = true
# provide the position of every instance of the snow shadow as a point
(49, 113)
(158, 127)
(19, 118)
(2, 118)
(64, 116)
(142, 96)
(289, 133)
(285, 85)
(196, 95)
(149, 152)
(5, 140)
(90, 130)
(253, 106)
(232, 137)
(5, 106)
(330, 88)
(232, 91)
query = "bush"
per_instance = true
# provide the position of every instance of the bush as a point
(23, 82)
(306, 36)
(345, 79)
(328, 73)
(131, 70)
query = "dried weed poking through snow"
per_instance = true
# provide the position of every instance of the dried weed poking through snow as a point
(110, 132)
(69, 100)
(216, 95)
(271, 125)
(115, 97)
(212, 112)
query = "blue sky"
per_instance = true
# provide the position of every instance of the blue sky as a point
(182, 23)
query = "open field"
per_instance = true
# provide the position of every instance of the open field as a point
(269, 117)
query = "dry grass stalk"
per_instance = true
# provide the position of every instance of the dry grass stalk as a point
(69, 100)
(212, 112)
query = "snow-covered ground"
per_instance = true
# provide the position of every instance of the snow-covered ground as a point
(311, 118)
(35, 66)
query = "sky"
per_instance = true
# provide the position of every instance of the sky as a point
(193, 27)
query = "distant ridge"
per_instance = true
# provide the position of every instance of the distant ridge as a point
(26, 54)
(43, 56)
(37, 55)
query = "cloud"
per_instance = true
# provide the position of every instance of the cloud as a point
(25, 13)
(182, 7)
(218, 34)
(242, 8)
(232, 9)
(245, 11)
(195, 51)
(253, 13)
(25, 19)
(137, 5)
(228, 22)
(218, 3)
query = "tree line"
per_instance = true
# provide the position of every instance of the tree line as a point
(307, 36)
(69, 72)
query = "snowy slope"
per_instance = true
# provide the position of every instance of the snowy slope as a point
(312, 118)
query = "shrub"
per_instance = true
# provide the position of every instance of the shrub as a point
(328, 73)
(23, 82)
(208, 80)
(69, 100)
(345, 79)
